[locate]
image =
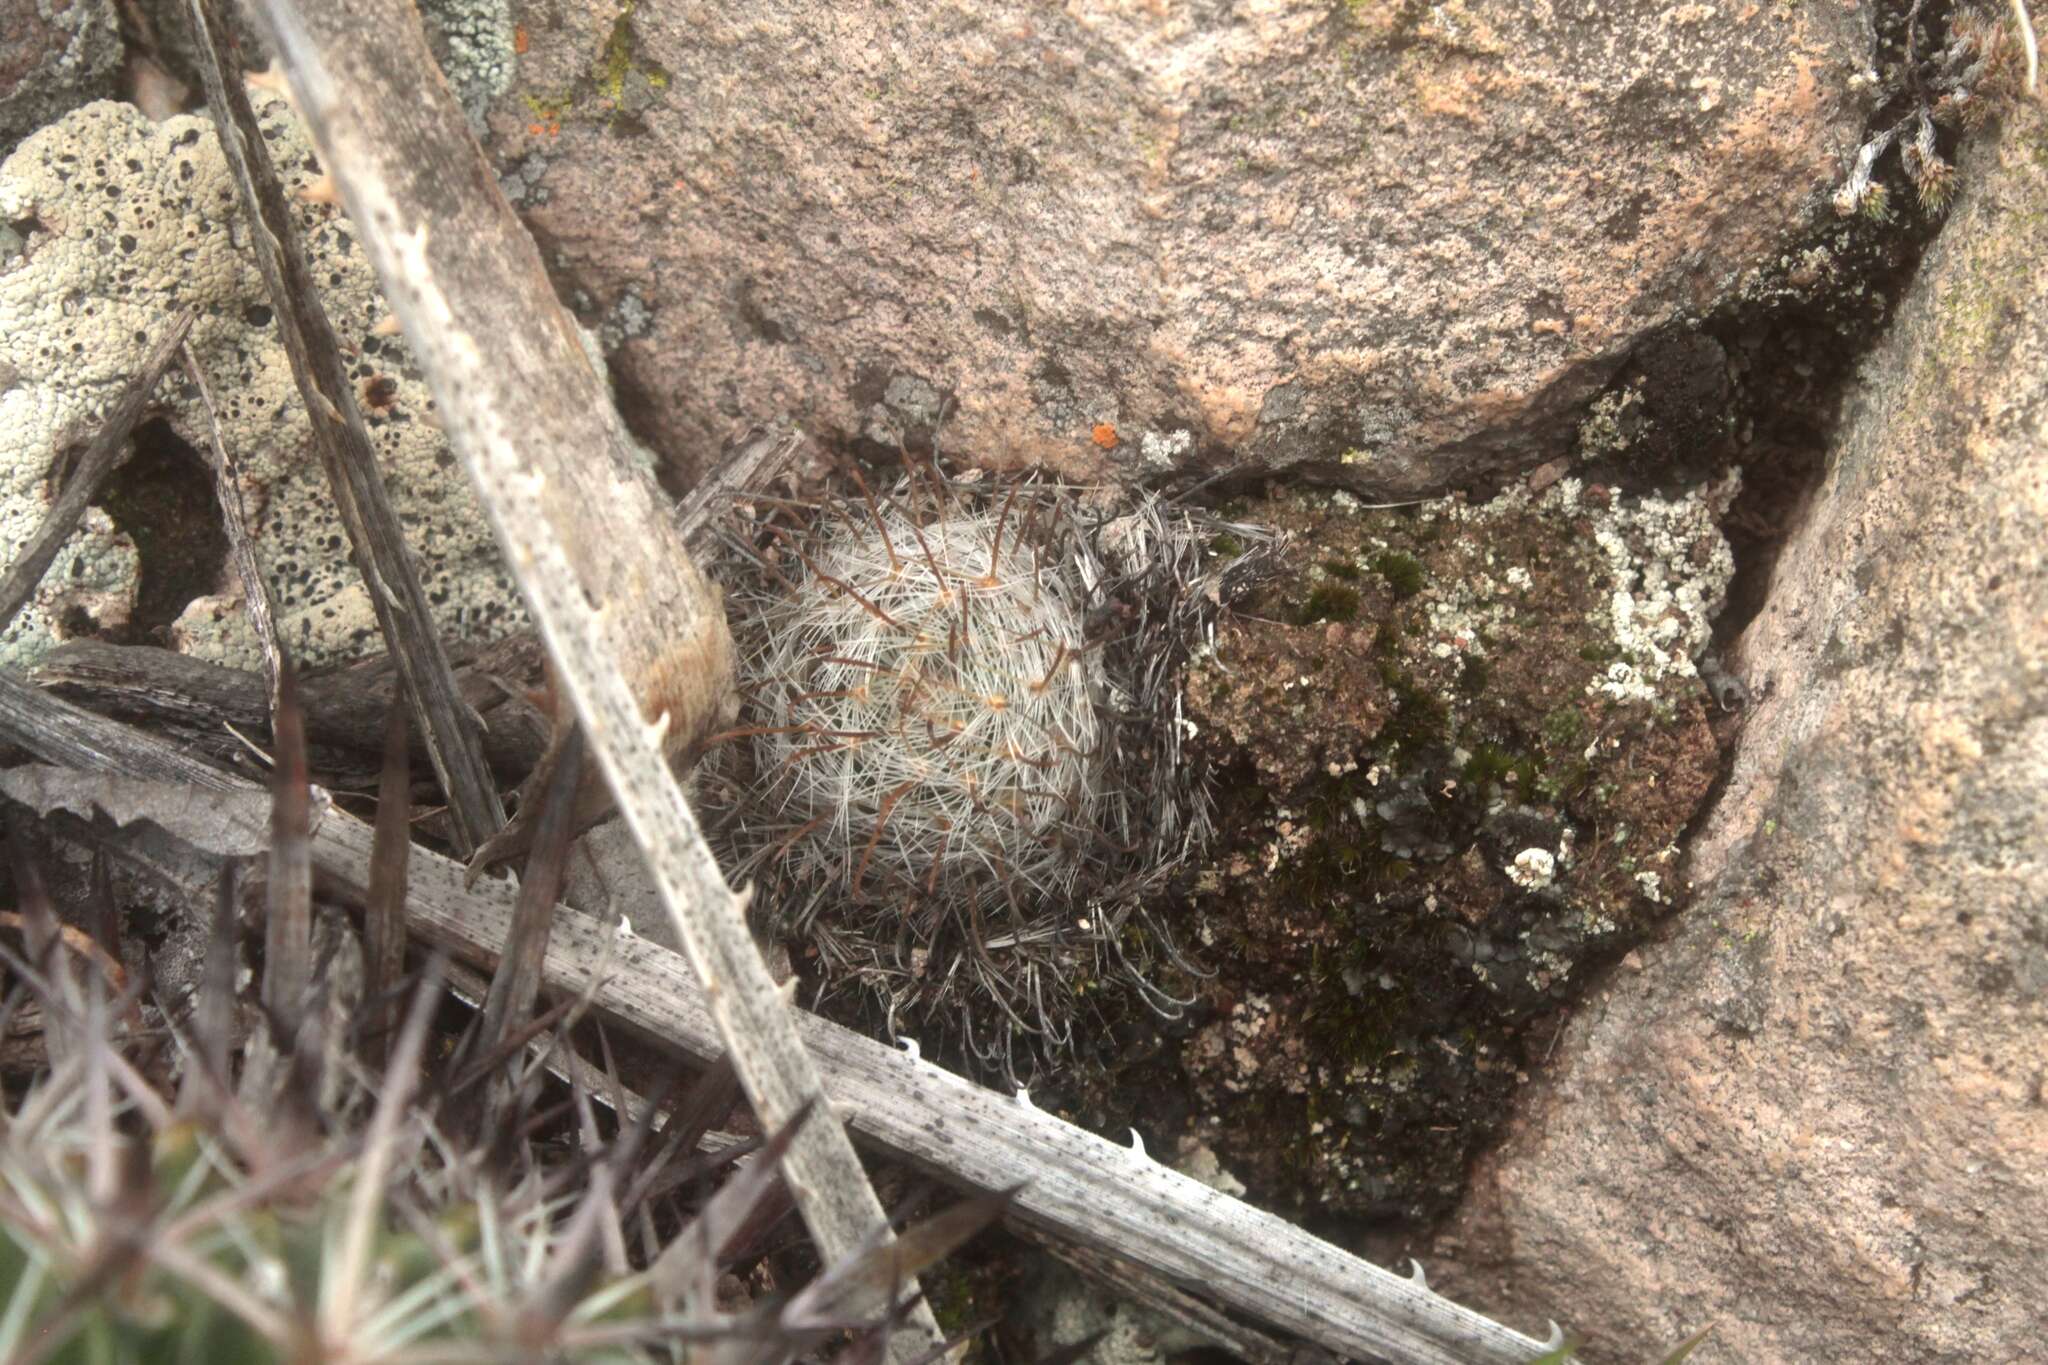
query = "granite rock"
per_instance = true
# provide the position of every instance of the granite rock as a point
(1817, 1116)
(1400, 246)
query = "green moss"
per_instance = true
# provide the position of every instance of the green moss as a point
(1338, 568)
(1346, 857)
(1374, 1025)
(1600, 652)
(1489, 763)
(1420, 719)
(1347, 1029)
(1403, 572)
(950, 1291)
(1227, 545)
(1492, 765)
(1560, 782)
(1564, 726)
(1330, 602)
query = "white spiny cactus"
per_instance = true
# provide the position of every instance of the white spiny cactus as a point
(964, 772)
(928, 708)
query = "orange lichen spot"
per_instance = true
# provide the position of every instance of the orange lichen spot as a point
(519, 39)
(1104, 435)
(534, 130)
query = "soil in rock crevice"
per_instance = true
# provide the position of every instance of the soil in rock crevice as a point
(1455, 749)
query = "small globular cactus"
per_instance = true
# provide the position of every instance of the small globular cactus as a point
(963, 777)
(928, 707)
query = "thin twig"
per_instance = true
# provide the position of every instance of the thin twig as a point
(384, 905)
(26, 573)
(750, 462)
(288, 900)
(403, 613)
(74, 738)
(227, 486)
(515, 985)
(347, 709)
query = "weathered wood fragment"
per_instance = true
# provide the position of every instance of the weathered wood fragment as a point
(1080, 1188)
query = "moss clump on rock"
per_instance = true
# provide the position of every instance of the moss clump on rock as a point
(1438, 814)
(1331, 602)
(1403, 572)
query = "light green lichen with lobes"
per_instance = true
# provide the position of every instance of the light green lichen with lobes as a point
(125, 222)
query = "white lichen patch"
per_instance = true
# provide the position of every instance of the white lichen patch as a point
(1163, 450)
(1610, 424)
(125, 222)
(1533, 869)
(1657, 569)
(1670, 568)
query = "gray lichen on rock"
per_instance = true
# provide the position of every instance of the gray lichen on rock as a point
(54, 57)
(474, 40)
(128, 221)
